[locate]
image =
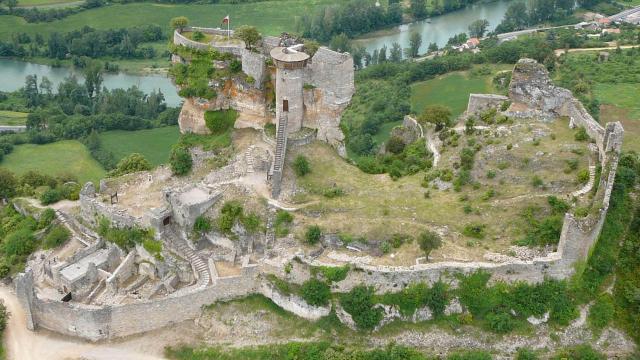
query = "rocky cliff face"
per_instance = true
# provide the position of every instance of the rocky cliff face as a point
(531, 86)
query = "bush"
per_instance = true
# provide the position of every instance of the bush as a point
(57, 236)
(313, 234)
(580, 352)
(601, 312)
(180, 161)
(51, 196)
(474, 230)
(583, 176)
(501, 322)
(395, 145)
(581, 134)
(359, 304)
(526, 354)
(315, 292)
(470, 355)
(537, 182)
(282, 222)
(251, 223)
(130, 164)
(47, 216)
(332, 273)
(8, 184)
(220, 121)
(202, 225)
(301, 165)
(154, 247)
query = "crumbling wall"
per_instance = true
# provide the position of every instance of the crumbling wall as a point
(91, 209)
(479, 103)
(330, 87)
(294, 304)
(253, 64)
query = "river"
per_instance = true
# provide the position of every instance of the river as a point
(438, 29)
(13, 72)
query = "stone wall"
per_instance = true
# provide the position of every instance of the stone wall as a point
(482, 102)
(253, 64)
(294, 304)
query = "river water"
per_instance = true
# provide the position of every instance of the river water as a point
(13, 72)
(438, 29)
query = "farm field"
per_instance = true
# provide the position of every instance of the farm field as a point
(620, 103)
(452, 90)
(154, 144)
(62, 157)
(273, 19)
(12, 118)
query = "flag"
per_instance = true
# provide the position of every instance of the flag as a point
(225, 20)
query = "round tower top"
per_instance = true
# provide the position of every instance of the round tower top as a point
(289, 57)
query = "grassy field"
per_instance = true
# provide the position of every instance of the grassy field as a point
(69, 156)
(452, 90)
(271, 19)
(154, 144)
(12, 118)
(620, 103)
(49, 3)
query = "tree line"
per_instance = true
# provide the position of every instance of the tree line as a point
(87, 41)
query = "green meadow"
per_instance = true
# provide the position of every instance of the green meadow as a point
(271, 18)
(12, 118)
(154, 144)
(62, 157)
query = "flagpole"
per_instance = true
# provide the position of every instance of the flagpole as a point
(229, 29)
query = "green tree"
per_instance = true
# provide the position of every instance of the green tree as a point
(31, 93)
(248, 34)
(396, 53)
(418, 9)
(301, 165)
(8, 183)
(433, 47)
(179, 23)
(93, 78)
(436, 114)
(429, 241)
(415, 41)
(180, 161)
(478, 28)
(11, 4)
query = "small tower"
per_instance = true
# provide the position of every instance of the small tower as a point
(290, 63)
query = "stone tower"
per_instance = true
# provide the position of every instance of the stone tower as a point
(290, 64)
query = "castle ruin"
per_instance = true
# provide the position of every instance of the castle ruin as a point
(94, 290)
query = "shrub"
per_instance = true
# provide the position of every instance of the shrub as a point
(581, 134)
(583, 176)
(230, 213)
(359, 304)
(537, 181)
(398, 239)
(301, 165)
(154, 247)
(474, 230)
(429, 241)
(438, 298)
(282, 222)
(251, 223)
(8, 184)
(202, 225)
(130, 164)
(313, 234)
(526, 354)
(57, 236)
(581, 352)
(491, 174)
(180, 161)
(601, 312)
(47, 216)
(50, 196)
(332, 273)
(333, 192)
(197, 36)
(501, 322)
(220, 121)
(395, 145)
(315, 292)
(470, 355)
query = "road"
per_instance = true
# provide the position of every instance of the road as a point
(559, 52)
(22, 344)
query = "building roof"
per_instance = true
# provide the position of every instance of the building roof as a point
(604, 20)
(473, 41)
(287, 55)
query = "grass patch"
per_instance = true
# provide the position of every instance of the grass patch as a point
(154, 144)
(12, 118)
(451, 90)
(62, 157)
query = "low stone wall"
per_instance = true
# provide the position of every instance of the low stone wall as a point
(481, 102)
(108, 322)
(293, 303)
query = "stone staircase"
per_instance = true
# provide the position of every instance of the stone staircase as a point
(281, 149)
(78, 231)
(180, 246)
(249, 158)
(589, 185)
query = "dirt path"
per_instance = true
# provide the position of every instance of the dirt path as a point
(22, 344)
